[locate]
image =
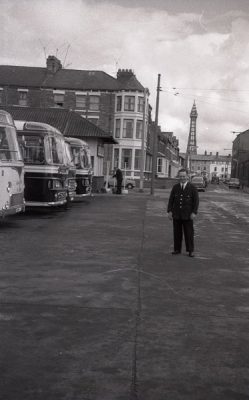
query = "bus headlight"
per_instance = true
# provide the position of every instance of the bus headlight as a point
(72, 184)
(57, 184)
(9, 186)
(7, 205)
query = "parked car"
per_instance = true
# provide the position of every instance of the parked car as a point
(199, 183)
(215, 179)
(129, 183)
(234, 183)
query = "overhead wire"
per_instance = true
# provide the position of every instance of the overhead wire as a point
(212, 89)
(200, 99)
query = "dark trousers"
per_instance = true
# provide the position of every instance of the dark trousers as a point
(119, 186)
(181, 226)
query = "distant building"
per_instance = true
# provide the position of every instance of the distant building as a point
(240, 158)
(168, 162)
(203, 164)
(210, 165)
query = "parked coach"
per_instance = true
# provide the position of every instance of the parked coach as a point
(82, 161)
(46, 168)
(11, 168)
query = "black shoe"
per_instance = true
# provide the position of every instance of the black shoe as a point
(191, 254)
(175, 252)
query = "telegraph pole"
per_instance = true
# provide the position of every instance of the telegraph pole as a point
(141, 187)
(154, 150)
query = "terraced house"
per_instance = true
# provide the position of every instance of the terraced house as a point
(116, 105)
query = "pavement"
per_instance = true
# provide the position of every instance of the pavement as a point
(95, 307)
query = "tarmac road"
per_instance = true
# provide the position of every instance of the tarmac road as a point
(95, 307)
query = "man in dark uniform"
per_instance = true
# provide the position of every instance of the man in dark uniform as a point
(119, 177)
(182, 208)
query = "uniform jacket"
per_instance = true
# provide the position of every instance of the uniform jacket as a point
(183, 203)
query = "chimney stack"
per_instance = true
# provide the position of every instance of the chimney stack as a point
(53, 64)
(125, 73)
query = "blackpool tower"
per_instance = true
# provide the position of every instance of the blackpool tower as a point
(192, 147)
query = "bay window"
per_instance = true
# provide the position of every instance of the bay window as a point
(140, 105)
(126, 158)
(137, 161)
(128, 128)
(139, 129)
(116, 158)
(117, 128)
(119, 103)
(129, 103)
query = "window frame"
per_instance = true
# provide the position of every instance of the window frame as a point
(116, 156)
(129, 103)
(58, 102)
(22, 97)
(117, 133)
(137, 159)
(140, 104)
(119, 103)
(139, 133)
(123, 156)
(159, 165)
(94, 106)
(124, 131)
(80, 107)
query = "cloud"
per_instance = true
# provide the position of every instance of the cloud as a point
(204, 56)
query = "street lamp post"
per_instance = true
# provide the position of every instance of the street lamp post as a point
(142, 163)
(155, 137)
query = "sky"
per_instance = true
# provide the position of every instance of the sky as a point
(200, 48)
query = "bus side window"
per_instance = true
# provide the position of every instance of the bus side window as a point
(4, 145)
(54, 151)
(40, 152)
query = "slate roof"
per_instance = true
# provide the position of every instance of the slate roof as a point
(129, 83)
(66, 121)
(24, 77)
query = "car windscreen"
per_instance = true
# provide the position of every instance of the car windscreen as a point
(197, 180)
